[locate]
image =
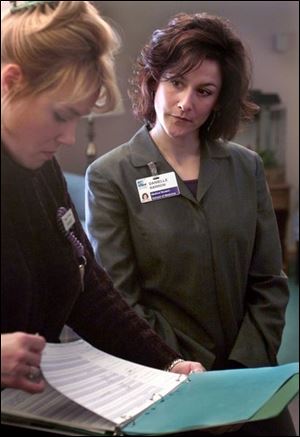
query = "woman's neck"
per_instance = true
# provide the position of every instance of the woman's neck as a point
(182, 153)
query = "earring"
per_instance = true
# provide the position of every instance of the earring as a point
(211, 121)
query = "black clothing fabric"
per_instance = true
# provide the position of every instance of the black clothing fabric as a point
(40, 281)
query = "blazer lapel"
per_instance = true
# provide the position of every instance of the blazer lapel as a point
(208, 172)
(143, 150)
(211, 160)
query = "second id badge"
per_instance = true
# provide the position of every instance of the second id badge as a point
(157, 187)
(68, 219)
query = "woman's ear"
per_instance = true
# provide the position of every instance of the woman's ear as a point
(11, 78)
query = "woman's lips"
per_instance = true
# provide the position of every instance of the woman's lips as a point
(182, 118)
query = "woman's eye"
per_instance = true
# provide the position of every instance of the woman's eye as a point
(175, 82)
(204, 92)
(59, 118)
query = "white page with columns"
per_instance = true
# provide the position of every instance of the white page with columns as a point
(111, 387)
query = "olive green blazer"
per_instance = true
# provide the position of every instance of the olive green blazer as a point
(205, 272)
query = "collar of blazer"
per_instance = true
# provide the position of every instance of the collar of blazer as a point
(143, 149)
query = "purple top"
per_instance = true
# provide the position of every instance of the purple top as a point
(192, 186)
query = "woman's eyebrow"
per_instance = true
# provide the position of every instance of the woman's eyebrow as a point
(208, 84)
(73, 111)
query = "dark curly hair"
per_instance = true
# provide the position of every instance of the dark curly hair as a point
(178, 48)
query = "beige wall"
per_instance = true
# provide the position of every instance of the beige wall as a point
(257, 22)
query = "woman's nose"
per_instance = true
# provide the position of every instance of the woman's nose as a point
(68, 134)
(186, 100)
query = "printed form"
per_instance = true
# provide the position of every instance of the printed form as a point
(111, 387)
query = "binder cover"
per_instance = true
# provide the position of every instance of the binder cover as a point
(218, 398)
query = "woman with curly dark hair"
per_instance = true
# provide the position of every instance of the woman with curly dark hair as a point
(200, 258)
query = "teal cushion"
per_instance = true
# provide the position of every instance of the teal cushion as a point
(75, 183)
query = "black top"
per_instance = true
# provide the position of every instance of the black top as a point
(40, 281)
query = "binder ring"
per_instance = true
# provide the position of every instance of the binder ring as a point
(158, 395)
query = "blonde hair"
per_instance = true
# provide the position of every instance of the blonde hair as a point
(62, 45)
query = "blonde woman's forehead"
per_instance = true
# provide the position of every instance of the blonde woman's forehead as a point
(77, 108)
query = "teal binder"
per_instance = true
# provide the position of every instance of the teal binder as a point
(218, 398)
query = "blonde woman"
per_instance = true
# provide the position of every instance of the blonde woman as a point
(56, 66)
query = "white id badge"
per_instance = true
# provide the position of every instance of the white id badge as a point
(68, 219)
(157, 187)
